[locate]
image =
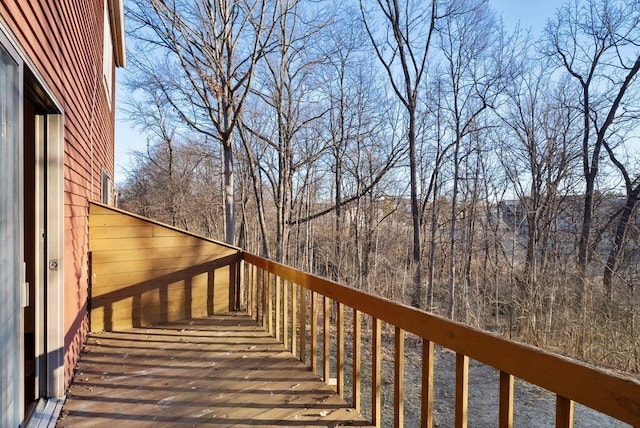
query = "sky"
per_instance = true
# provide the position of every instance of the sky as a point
(531, 14)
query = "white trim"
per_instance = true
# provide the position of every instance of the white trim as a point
(46, 413)
(28, 64)
(40, 253)
(107, 55)
(55, 251)
(116, 13)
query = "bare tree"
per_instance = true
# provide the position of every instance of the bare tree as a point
(405, 46)
(624, 214)
(596, 42)
(477, 65)
(202, 57)
(538, 153)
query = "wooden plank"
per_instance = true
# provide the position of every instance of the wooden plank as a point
(462, 390)
(118, 255)
(149, 265)
(111, 244)
(197, 281)
(564, 412)
(175, 291)
(376, 371)
(426, 413)
(108, 216)
(356, 360)
(267, 388)
(340, 350)
(326, 336)
(121, 232)
(314, 332)
(506, 401)
(603, 391)
(398, 382)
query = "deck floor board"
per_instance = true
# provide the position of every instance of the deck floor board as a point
(222, 371)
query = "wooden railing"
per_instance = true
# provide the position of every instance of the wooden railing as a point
(277, 295)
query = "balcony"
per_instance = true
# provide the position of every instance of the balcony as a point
(189, 331)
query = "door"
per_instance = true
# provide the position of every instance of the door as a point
(35, 235)
(42, 243)
(11, 229)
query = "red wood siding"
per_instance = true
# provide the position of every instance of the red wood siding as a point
(63, 41)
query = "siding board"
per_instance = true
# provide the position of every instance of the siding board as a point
(63, 42)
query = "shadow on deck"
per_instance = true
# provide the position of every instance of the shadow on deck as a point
(222, 370)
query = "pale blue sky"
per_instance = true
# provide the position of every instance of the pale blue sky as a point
(531, 14)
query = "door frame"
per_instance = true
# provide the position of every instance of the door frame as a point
(53, 297)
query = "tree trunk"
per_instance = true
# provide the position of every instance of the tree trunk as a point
(415, 213)
(618, 244)
(229, 202)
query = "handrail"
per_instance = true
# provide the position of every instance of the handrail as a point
(570, 380)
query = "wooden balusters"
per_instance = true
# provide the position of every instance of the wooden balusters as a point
(270, 302)
(462, 390)
(294, 317)
(314, 332)
(376, 371)
(398, 382)
(264, 298)
(285, 313)
(426, 418)
(583, 383)
(564, 412)
(340, 350)
(248, 283)
(256, 302)
(303, 324)
(505, 419)
(326, 339)
(278, 286)
(355, 378)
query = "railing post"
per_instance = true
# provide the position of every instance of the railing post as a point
(376, 371)
(254, 285)
(270, 302)
(249, 287)
(303, 324)
(462, 390)
(506, 400)
(240, 285)
(426, 419)
(357, 333)
(564, 412)
(326, 363)
(285, 313)
(398, 385)
(263, 298)
(277, 286)
(314, 332)
(340, 350)
(294, 317)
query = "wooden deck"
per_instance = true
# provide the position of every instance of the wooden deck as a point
(217, 371)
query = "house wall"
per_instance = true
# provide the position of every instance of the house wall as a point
(144, 272)
(63, 43)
